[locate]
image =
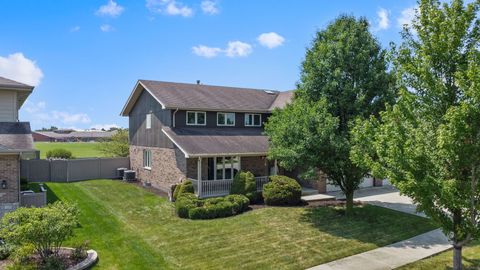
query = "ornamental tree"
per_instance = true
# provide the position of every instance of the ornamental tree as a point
(344, 77)
(428, 144)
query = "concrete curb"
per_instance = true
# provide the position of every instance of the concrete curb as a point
(91, 259)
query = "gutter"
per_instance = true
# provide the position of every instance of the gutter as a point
(174, 113)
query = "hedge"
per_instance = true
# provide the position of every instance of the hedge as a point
(59, 153)
(244, 183)
(189, 206)
(182, 188)
(282, 190)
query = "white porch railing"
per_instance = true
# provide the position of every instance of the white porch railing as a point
(215, 188)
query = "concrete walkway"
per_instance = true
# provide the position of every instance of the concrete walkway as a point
(394, 255)
(397, 254)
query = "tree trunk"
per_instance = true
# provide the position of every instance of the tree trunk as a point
(349, 203)
(457, 257)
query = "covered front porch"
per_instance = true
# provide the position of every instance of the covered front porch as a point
(213, 176)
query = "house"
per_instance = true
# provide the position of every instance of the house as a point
(204, 133)
(68, 135)
(15, 141)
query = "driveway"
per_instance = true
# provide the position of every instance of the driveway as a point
(386, 196)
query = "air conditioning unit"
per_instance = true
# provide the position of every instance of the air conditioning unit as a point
(129, 175)
(120, 172)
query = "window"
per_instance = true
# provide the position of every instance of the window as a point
(225, 119)
(220, 168)
(148, 121)
(253, 120)
(196, 118)
(147, 159)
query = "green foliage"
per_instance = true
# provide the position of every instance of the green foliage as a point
(5, 250)
(79, 252)
(189, 206)
(282, 190)
(59, 153)
(53, 263)
(182, 188)
(43, 228)
(117, 145)
(344, 77)
(428, 144)
(244, 183)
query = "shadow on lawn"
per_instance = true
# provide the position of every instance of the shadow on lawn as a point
(51, 196)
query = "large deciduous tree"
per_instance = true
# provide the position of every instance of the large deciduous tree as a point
(428, 144)
(344, 76)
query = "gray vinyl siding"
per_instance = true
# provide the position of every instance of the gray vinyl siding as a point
(138, 133)
(8, 110)
(181, 121)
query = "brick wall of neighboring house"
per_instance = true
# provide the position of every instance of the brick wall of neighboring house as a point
(168, 166)
(256, 165)
(9, 171)
(319, 183)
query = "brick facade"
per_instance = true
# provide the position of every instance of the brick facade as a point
(9, 171)
(168, 166)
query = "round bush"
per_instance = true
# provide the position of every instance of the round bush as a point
(59, 153)
(244, 183)
(185, 187)
(189, 206)
(282, 190)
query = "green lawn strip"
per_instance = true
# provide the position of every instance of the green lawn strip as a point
(118, 246)
(470, 255)
(268, 238)
(78, 149)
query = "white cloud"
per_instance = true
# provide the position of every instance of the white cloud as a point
(75, 29)
(106, 28)
(32, 107)
(406, 17)
(169, 7)
(209, 7)
(238, 49)
(19, 68)
(207, 52)
(383, 20)
(104, 126)
(111, 9)
(68, 118)
(270, 40)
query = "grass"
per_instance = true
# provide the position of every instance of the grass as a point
(444, 260)
(132, 228)
(78, 149)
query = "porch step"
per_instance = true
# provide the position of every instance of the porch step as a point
(308, 191)
(318, 197)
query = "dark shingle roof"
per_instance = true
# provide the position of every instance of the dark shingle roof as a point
(11, 84)
(208, 97)
(15, 136)
(195, 142)
(77, 134)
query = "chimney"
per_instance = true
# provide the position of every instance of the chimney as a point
(198, 82)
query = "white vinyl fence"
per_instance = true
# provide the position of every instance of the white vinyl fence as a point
(70, 170)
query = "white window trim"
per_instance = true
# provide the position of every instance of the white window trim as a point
(226, 125)
(147, 153)
(253, 120)
(148, 121)
(223, 167)
(196, 118)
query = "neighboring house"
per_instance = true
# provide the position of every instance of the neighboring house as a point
(203, 133)
(15, 141)
(71, 136)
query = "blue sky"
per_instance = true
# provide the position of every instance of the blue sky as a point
(85, 56)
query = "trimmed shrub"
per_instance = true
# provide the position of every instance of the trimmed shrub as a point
(184, 187)
(5, 250)
(59, 153)
(189, 206)
(244, 183)
(282, 190)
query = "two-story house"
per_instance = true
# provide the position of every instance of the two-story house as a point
(16, 141)
(200, 132)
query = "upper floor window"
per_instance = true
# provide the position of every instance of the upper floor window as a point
(196, 119)
(225, 119)
(253, 120)
(148, 121)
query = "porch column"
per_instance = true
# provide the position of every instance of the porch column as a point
(275, 168)
(199, 176)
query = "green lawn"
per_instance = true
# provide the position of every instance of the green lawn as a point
(132, 228)
(78, 149)
(471, 260)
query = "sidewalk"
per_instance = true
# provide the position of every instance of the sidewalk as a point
(394, 255)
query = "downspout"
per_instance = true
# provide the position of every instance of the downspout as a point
(175, 112)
